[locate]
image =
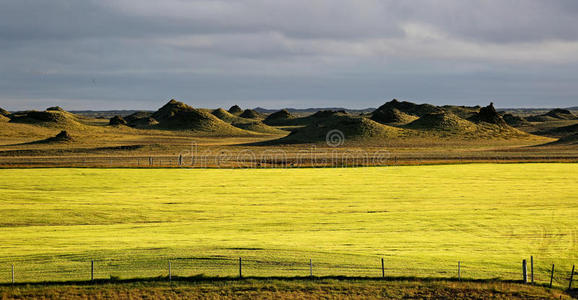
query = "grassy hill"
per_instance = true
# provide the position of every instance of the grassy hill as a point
(49, 118)
(281, 117)
(345, 127)
(177, 115)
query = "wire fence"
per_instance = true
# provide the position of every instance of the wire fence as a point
(228, 160)
(171, 268)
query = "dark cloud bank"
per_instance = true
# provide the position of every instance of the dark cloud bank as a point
(118, 54)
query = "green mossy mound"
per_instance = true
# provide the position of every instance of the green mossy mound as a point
(258, 126)
(177, 115)
(515, 121)
(345, 127)
(281, 117)
(55, 108)
(391, 116)
(409, 107)
(444, 121)
(250, 114)
(52, 118)
(117, 121)
(225, 115)
(553, 115)
(235, 110)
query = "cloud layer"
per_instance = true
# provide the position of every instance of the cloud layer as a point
(139, 53)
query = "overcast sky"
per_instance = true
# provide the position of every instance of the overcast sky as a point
(138, 54)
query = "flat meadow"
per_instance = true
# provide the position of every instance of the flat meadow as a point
(421, 220)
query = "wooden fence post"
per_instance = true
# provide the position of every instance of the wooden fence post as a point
(571, 277)
(382, 269)
(459, 270)
(92, 270)
(552, 276)
(532, 269)
(12, 273)
(310, 268)
(240, 267)
(170, 273)
(525, 271)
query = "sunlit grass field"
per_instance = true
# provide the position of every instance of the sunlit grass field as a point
(421, 219)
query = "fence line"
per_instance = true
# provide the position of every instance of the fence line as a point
(99, 269)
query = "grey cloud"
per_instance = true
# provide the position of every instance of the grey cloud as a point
(287, 53)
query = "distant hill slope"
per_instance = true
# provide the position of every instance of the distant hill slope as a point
(561, 131)
(515, 121)
(570, 140)
(555, 114)
(4, 112)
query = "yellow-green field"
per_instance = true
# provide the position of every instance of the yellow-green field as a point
(421, 219)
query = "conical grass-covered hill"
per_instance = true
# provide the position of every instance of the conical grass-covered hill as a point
(250, 114)
(176, 115)
(409, 107)
(259, 127)
(442, 121)
(350, 128)
(388, 115)
(246, 124)
(4, 112)
(48, 118)
(553, 115)
(235, 110)
(279, 118)
(225, 116)
(486, 124)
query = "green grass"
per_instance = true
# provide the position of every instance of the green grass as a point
(319, 288)
(420, 219)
